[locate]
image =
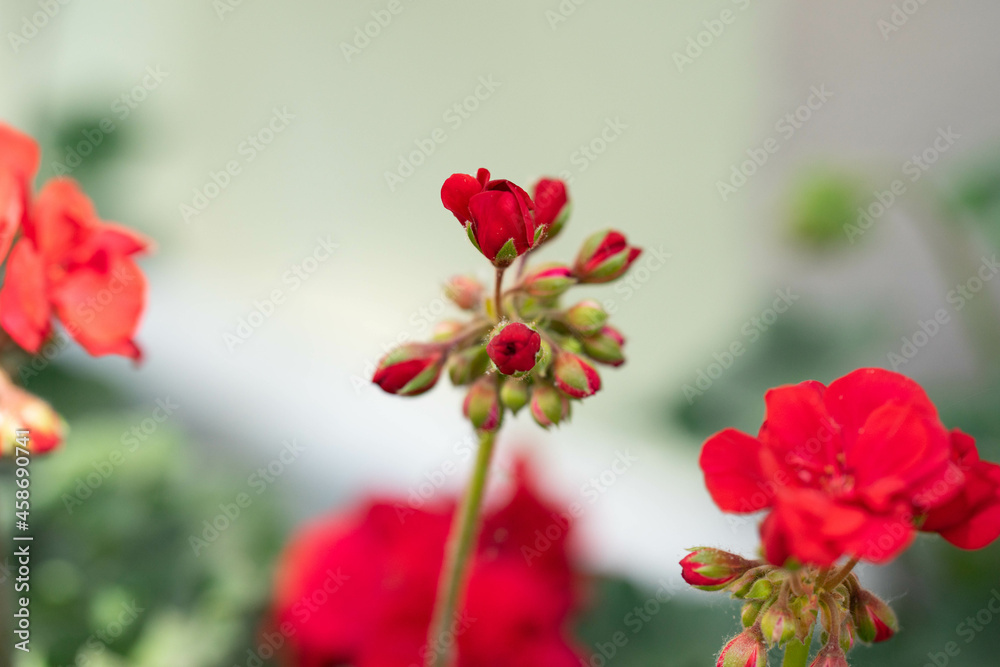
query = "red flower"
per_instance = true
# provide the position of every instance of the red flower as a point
(19, 158)
(497, 215)
(845, 468)
(410, 369)
(971, 519)
(358, 588)
(604, 257)
(514, 348)
(551, 205)
(71, 264)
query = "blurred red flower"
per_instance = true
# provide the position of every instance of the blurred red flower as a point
(845, 469)
(358, 587)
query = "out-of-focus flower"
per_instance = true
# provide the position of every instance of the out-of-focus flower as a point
(482, 405)
(23, 411)
(19, 158)
(358, 587)
(970, 520)
(514, 348)
(497, 215)
(604, 257)
(71, 264)
(844, 469)
(574, 376)
(552, 206)
(410, 369)
(466, 292)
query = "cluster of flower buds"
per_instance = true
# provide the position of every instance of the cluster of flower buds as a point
(781, 606)
(521, 347)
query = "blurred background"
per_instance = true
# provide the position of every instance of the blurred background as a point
(817, 184)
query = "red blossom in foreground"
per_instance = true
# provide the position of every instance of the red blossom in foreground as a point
(358, 587)
(846, 470)
(970, 520)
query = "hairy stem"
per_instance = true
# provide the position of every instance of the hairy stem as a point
(831, 584)
(461, 541)
(497, 294)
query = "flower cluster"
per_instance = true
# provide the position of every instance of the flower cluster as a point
(62, 262)
(358, 587)
(854, 470)
(520, 348)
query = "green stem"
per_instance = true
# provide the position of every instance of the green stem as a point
(831, 584)
(461, 540)
(498, 295)
(797, 653)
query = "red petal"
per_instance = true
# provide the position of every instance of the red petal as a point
(101, 307)
(798, 427)
(24, 305)
(61, 219)
(19, 153)
(851, 399)
(550, 198)
(497, 218)
(731, 463)
(456, 192)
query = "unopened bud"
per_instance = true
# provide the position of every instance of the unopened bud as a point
(711, 569)
(750, 612)
(514, 394)
(586, 318)
(548, 405)
(605, 346)
(514, 348)
(604, 257)
(778, 624)
(548, 280)
(23, 411)
(465, 291)
(410, 369)
(467, 365)
(746, 649)
(482, 405)
(762, 589)
(574, 376)
(445, 330)
(830, 656)
(873, 619)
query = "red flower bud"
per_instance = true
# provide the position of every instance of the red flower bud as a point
(482, 405)
(604, 257)
(514, 348)
(587, 317)
(552, 206)
(467, 365)
(574, 376)
(605, 346)
(410, 369)
(497, 215)
(20, 410)
(873, 619)
(548, 405)
(548, 280)
(778, 624)
(711, 569)
(465, 291)
(744, 650)
(514, 394)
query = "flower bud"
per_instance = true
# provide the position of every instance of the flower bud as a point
(762, 589)
(778, 624)
(548, 280)
(744, 650)
(514, 394)
(741, 586)
(548, 406)
(586, 318)
(830, 656)
(605, 346)
(514, 348)
(552, 206)
(465, 291)
(574, 376)
(23, 411)
(711, 569)
(410, 369)
(873, 619)
(482, 405)
(604, 257)
(467, 365)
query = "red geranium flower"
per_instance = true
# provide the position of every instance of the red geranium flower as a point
(970, 520)
(19, 156)
(358, 588)
(845, 468)
(514, 348)
(496, 213)
(71, 264)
